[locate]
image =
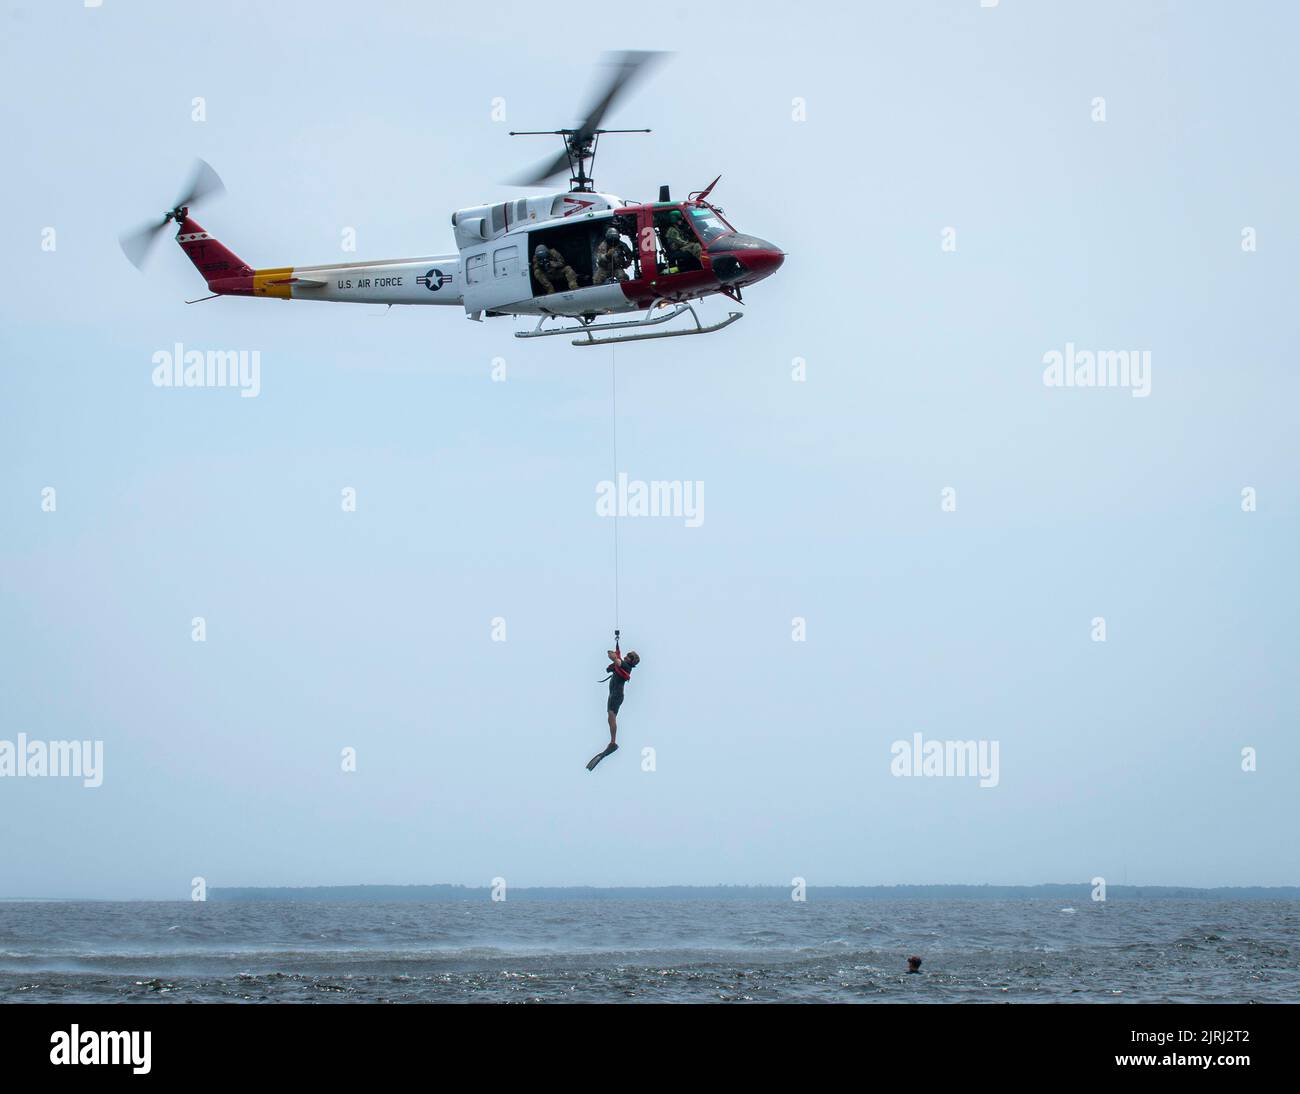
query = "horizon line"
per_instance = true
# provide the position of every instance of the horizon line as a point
(1291, 892)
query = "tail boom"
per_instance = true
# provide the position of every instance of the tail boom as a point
(434, 279)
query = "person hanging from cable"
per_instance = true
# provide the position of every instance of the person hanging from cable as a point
(620, 672)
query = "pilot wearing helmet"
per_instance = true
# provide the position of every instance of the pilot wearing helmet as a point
(681, 242)
(612, 258)
(549, 266)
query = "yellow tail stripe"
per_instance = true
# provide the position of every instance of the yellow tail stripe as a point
(262, 282)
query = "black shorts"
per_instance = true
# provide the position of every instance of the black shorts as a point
(615, 701)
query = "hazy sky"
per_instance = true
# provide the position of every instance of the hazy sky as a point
(372, 630)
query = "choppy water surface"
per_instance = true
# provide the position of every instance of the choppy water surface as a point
(688, 951)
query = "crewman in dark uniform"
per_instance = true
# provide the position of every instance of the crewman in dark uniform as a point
(680, 241)
(549, 266)
(613, 257)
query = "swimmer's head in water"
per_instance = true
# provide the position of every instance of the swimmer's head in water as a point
(913, 964)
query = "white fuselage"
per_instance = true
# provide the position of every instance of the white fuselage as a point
(491, 273)
(435, 279)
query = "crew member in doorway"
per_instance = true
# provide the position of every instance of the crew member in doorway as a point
(549, 266)
(613, 257)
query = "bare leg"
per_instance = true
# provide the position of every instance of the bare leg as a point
(613, 728)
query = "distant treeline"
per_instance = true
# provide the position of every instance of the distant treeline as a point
(443, 893)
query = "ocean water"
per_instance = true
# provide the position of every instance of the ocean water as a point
(651, 951)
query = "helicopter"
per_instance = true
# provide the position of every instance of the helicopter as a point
(658, 272)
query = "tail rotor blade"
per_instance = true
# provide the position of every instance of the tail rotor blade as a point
(137, 244)
(204, 183)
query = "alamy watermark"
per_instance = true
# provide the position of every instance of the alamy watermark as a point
(635, 498)
(950, 759)
(179, 367)
(115, 1048)
(1100, 368)
(28, 759)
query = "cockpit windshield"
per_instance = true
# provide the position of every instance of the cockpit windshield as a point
(708, 225)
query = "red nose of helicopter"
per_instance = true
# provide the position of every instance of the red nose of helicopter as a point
(739, 260)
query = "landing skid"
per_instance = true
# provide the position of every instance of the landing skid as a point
(588, 328)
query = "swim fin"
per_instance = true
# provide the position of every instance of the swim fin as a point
(591, 764)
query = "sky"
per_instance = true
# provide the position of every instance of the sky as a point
(905, 529)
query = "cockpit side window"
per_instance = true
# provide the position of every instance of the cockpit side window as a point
(708, 225)
(679, 241)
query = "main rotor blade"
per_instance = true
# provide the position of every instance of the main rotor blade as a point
(204, 183)
(543, 172)
(137, 244)
(625, 67)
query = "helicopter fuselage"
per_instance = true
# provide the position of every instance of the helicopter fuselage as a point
(491, 273)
